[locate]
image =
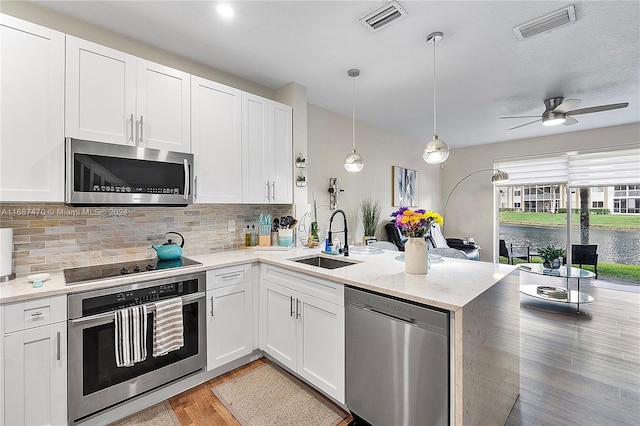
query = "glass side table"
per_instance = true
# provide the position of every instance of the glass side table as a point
(557, 294)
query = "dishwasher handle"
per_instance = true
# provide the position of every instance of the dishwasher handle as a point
(408, 321)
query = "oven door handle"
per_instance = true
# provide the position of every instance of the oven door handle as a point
(150, 308)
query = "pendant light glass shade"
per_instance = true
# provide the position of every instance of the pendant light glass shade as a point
(436, 151)
(353, 162)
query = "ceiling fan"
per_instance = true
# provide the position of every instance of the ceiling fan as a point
(558, 111)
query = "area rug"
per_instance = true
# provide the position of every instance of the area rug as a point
(271, 396)
(157, 415)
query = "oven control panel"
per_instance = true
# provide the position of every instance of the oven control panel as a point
(147, 295)
(137, 296)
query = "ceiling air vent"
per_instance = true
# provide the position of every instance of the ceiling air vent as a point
(546, 23)
(383, 16)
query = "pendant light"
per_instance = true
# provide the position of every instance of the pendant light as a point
(436, 150)
(353, 162)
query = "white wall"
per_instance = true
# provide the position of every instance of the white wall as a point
(329, 142)
(470, 209)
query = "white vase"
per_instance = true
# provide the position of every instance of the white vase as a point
(416, 256)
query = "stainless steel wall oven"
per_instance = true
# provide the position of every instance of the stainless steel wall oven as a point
(95, 382)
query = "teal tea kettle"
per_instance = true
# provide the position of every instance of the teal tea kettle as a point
(170, 250)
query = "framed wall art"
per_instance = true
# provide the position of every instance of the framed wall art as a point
(404, 191)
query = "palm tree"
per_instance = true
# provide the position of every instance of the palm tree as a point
(584, 215)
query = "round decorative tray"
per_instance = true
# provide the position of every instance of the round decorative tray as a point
(553, 292)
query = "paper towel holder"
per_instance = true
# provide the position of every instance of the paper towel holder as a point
(6, 235)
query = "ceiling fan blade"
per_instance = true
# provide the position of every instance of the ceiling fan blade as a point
(598, 108)
(570, 121)
(525, 124)
(521, 116)
(566, 105)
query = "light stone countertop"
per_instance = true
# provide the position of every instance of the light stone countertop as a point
(449, 285)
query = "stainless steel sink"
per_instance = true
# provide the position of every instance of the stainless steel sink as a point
(323, 262)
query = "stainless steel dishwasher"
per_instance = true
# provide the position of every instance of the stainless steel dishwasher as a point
(397, 361)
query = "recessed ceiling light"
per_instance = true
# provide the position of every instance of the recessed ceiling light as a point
(225, 11)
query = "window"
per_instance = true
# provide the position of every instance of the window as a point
(597, 189)
(516, 205)
(597, 204)
(516, 193)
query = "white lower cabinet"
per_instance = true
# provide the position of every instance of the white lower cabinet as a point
(302, 327)
(229, 314)
(35, 362)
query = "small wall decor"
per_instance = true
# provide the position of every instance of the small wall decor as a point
(301, 162)
(301, 180)
(404, 189)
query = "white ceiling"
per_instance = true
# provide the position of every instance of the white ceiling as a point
(483, 71)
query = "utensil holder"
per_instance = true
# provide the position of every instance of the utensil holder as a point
(285, 237)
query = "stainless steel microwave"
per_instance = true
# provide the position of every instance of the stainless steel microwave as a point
(99, 174)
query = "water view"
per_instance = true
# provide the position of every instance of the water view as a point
(614, 246)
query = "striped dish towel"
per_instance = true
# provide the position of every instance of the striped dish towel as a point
(167, 327)
(130, 335)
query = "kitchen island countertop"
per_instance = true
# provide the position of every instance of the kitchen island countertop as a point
(450, 283)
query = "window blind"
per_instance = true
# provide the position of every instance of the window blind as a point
(608, 168)
(534, 171)
(605, 168)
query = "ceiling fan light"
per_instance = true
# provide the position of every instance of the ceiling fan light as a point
(353, 162)
(553, 121)
(435, 151)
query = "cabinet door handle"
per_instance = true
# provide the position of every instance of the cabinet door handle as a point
(291, 306)
(267, 195)
(131, 137)
(297, 308)
(141, 140)
(36, 314)
(211, 306)
(58, 346)
(230, 276)
(273, 191)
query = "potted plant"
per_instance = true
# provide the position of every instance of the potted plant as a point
(301, 162)
(551, 256)
(301, 180)
(370, 209)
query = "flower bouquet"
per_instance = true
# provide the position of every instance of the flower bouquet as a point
(415, 225)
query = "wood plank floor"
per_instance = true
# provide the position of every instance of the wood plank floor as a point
(580, 369)
(575, 369)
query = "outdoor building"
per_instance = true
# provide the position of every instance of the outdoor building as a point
(621, 199)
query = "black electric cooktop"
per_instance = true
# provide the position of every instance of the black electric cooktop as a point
(91, 273)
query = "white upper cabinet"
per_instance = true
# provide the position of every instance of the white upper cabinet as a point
(256, 187)
(281, 144)
(100, 93)
(115, 97)
(163, 106)
(267, 157)
(216, 141)
(32, 112)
